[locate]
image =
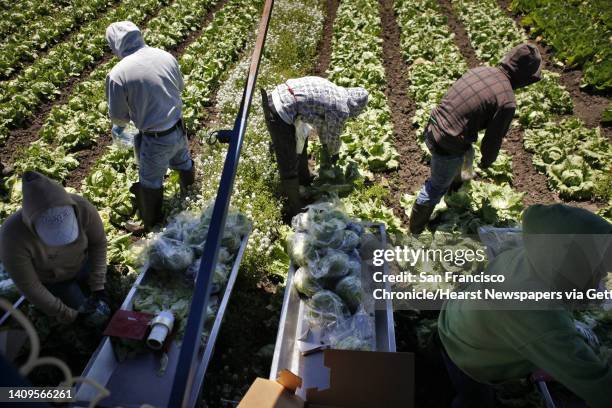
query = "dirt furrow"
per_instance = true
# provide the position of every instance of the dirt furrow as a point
(587, 106)
(526, 178)
(27, 134)
(89, 156)
(413, 170)
(324, 49)
(65, 36)
(461, 37)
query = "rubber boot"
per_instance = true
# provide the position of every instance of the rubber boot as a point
(290, 189)
(150, 206)
(419, 217)
(187, 178)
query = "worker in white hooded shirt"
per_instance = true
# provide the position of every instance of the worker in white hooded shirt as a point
(145, 88)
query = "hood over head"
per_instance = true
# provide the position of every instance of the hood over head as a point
(523, 65)
(39, 194)
(124, 38)
(567, 247)
(357, 100)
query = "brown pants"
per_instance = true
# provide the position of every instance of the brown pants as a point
(290, 164)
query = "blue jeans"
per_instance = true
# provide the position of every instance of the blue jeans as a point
(70, 292)
(444, 169)
(157, 154)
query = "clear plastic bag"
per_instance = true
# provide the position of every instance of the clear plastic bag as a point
(333, 265)
(355, 333)
(325, 309)
(302, 249)
(350, 291)
(305, 283)
(498, 240)
(169, 254)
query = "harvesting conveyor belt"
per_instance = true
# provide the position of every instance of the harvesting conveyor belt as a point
(136, 380)
(310, 368)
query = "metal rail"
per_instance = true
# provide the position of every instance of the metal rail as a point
(185, 377)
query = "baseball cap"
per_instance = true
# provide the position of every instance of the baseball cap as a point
(57, 226)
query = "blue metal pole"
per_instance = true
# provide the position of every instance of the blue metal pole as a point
(186, 367)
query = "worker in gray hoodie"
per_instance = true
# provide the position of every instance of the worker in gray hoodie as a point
(483, 98)
(54, 249)
(145, 88)
(320, 104)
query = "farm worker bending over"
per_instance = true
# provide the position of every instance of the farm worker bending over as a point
(483, 98)
(51, 246)
(565, 249)
(311, 103)
(145, 87)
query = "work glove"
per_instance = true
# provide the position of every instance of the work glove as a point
(100, 295)
(94, 313)
(587, 334)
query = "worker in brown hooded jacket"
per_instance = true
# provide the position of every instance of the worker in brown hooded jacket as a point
(55, 242)
(483, 98)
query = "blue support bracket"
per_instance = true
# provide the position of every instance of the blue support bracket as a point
(186, 365)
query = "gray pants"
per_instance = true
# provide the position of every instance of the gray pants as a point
(290, 164)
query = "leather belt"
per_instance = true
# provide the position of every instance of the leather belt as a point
(162, 133)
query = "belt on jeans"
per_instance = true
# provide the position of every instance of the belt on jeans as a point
(161, 133)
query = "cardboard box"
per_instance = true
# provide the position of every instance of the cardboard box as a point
(357, 379)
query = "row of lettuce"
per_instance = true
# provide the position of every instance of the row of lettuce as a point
(576, 160)
(435, 63)
(204, 63)
(43, 80)
(23, 44)
(578, 31)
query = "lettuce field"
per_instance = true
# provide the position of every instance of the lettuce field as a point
(406, 53)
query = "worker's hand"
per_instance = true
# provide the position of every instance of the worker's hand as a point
(587, 334)
(100, 295)
(94, 313)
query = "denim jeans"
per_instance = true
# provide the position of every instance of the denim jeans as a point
(70, 292)
(444, 169)
(157, 154)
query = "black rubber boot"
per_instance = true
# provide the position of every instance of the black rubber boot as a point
(290, 189)
(420, 217)
(187, 178)
(150, 206)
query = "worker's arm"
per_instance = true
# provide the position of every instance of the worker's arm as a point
(497, 129)
(19, 266)
(118, 109)
(569, 360)
(97, 248)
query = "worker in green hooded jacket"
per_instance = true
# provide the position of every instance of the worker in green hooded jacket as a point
(565, 248)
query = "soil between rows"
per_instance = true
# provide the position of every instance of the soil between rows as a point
(63, 37)
(413, 170)
(526, 177)
(24, 136)
(88, 157)
(587, 106)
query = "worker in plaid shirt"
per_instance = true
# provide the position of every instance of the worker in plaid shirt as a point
(319, 104)
(482, 99)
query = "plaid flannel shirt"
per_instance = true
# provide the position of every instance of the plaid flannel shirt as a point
(318, 102)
